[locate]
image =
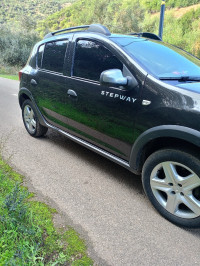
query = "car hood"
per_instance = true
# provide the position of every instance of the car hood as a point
(192, 86)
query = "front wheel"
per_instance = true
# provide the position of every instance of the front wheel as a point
(31, 120)
(171, 180)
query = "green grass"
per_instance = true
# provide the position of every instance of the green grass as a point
(14, 77)
(27, 232)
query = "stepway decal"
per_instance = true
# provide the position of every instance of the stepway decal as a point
(118, 96)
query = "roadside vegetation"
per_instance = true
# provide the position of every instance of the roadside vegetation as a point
(125, 16)
(27, 232)
(13, 77)
(15, 47)
(181, 28)
(24, 27)
(154, 5)
(12, 10)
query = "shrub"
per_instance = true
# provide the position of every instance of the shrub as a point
(15, 46)
(183, 32)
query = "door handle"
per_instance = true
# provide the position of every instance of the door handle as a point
(33, 82)
(71, 93)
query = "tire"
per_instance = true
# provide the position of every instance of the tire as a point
(31, 121)
(171, 181)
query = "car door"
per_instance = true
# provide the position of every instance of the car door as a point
(49, 79)
(102, 115)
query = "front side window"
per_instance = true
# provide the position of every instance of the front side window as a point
(92, 58)
(52, 58)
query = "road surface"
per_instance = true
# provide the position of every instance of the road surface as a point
(102, 201)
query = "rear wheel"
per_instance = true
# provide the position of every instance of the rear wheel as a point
(171, 180)
(31, 120)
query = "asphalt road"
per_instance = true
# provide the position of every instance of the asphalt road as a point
(102, 201)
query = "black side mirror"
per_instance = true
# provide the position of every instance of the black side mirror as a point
(114, 77)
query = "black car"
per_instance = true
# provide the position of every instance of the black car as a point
(131, 98)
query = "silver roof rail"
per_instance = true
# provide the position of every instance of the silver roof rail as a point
(98, 28)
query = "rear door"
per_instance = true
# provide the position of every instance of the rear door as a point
(49, 90)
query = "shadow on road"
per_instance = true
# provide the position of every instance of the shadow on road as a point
(113, 170)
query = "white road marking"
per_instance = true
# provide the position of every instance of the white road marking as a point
(14, 94)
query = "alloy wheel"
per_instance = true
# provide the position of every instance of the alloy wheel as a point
(177, 188)
(29, 119)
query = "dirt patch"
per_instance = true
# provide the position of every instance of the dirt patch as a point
(179, 12)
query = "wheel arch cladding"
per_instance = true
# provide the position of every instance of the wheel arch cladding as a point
(162, 137)
(24, 94)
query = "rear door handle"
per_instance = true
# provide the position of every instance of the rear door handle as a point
(71, 93)
(33, 82)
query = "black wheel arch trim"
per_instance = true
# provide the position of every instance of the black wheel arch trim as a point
(30, 96)
(23, 91)
(165, 131)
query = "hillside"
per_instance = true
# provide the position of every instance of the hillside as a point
(117, 15)
(123, 16)
(181, 27)
(24, 20)
(154, 5)
(177, 12)
(14, 10)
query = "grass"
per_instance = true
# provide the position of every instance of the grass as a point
(27, 232)
(14, 77)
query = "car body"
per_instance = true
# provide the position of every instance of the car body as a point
(132, 99)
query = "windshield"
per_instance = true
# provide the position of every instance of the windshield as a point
(161, 59)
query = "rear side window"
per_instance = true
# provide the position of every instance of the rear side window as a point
(51, 56)
(92, 58)
(32, 58)
(40, 55)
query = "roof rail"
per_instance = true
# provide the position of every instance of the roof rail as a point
(91, 28)
(148, 35)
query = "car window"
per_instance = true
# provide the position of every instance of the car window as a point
(32, 58)
(40, 55)
(51, 56)
(92, 58)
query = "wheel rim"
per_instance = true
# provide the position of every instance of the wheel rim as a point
(177, 188)
(29, 119)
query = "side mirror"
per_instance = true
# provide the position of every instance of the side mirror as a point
(114, 77)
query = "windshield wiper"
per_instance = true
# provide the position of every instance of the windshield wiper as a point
(182, 78)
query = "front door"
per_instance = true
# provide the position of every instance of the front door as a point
(102, 115)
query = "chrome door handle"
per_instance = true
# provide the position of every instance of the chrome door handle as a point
(71, 93)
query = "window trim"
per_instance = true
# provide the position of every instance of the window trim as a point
(73, 59)
(43, 44)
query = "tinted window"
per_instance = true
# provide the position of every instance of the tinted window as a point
(92, 58)
(40, 55)
(54, 54)
(32, 58)
(163, 60)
